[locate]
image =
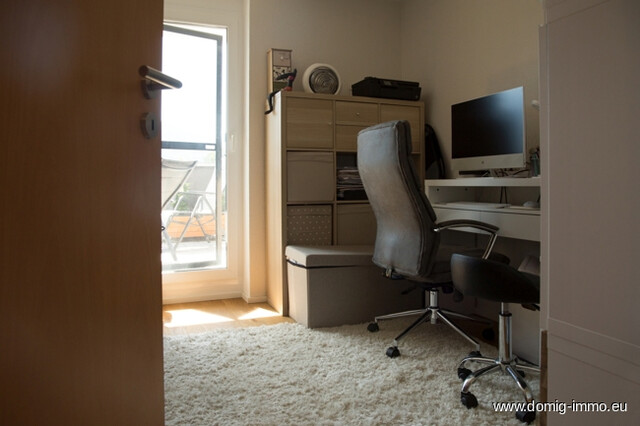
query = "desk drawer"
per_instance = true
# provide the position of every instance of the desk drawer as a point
(453, 214)
(521, 226)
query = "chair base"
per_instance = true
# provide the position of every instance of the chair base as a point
(506, 362)
(433, 313)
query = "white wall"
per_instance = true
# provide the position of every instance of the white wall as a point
(461, 49)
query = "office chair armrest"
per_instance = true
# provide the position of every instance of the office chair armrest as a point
(467, 223)
(460, 223)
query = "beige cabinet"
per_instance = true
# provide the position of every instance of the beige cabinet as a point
(311, 152)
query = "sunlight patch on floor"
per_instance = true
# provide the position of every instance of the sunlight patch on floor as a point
(259, 313)
(186, 317)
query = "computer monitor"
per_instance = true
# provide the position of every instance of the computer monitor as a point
(489, 132)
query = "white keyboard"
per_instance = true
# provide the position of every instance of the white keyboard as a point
(472, 204)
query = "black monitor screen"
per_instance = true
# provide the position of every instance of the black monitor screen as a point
(491, 125)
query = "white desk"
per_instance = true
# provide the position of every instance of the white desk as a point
(514, 222)
(518, 224)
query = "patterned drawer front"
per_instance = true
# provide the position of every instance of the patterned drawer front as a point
(309, 225)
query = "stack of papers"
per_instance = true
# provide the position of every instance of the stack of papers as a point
(349, 184)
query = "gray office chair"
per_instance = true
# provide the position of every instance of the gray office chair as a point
(501, 283)
(407, 241)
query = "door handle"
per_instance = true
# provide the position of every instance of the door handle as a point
(155, 80)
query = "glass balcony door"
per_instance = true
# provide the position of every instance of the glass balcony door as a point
(194, 212)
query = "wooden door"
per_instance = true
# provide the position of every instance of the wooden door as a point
(80, 280)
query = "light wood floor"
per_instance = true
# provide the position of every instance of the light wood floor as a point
(197, 317)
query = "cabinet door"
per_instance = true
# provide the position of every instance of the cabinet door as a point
(351, 117)
(356, 224)
(409, 113)
(309, 123)
(310, 176)
(347, 137)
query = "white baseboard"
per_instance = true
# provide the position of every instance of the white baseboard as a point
(255, 299)
(186, 292)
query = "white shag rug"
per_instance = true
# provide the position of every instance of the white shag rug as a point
(287, 374)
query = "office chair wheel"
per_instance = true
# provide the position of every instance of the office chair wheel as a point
(463, 373)
(468, 399)
(526, 416)
(373, 327)
(475, 354)
(393, 352)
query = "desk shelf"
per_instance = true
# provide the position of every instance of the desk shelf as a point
(516, 222)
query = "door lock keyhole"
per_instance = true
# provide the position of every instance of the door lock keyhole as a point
(149, 125)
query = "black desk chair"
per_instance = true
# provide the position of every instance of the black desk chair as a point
(500, 283)
(408, 238)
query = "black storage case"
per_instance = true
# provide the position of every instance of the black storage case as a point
(390, 89)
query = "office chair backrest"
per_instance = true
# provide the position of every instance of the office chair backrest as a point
(405, 240)
(174, 174)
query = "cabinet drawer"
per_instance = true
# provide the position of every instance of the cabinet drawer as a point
(409, 113)
(309, 123)
(347, 137)
(356, 113)
(521, 226)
